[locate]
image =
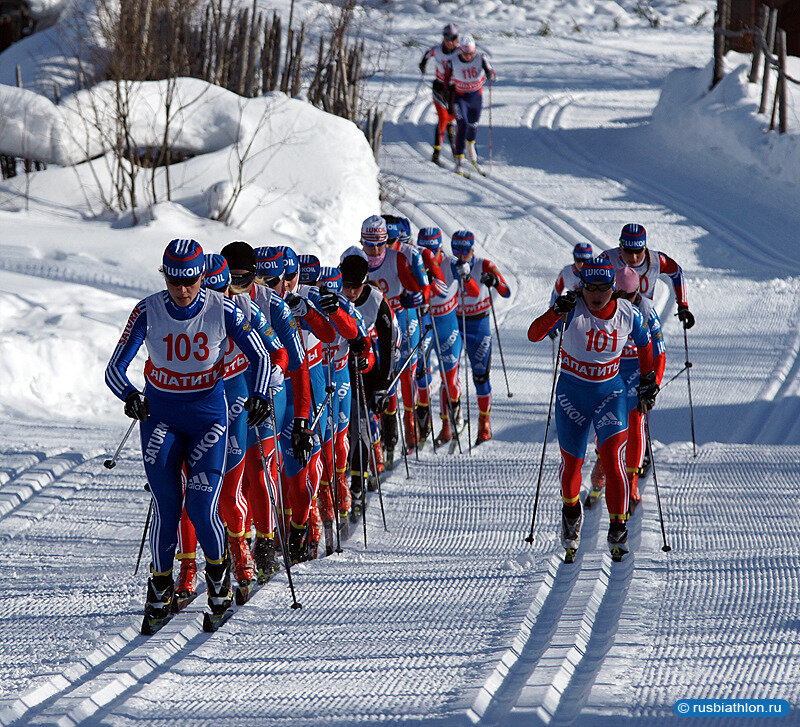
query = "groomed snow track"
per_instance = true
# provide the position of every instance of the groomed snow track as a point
(450, 617)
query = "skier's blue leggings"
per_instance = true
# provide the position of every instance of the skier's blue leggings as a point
(190, 430)
(423, 354)
(479, 349)
(629, 371)
(468, 114)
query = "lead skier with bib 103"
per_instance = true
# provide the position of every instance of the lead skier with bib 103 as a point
(590, 391)
(183, 414)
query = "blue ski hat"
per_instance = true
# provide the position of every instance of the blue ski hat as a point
(462, 242)
(332, 277)
(597, 270)
(183, 259)
(218, 274)
(291, 263)
(269, 262)
(582, 251)
(394, 228)
(633, 237)
(405, 229)
(309, 269)
(430, 238)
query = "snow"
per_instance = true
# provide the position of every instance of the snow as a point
(449, 617)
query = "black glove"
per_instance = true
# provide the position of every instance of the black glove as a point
(553, 334)
(302, 441)
(411, 300)
(137, 406)
(646, 392)
(685, 316)
(357, 345)
(565, 303)
(380, 401)
(259, 411)
(328, 302)
(297, 305)
(490, 280)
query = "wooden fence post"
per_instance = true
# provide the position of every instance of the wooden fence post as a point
(783, 112)
(758, 39)
(719, 41)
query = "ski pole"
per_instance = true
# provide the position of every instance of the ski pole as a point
(529, 539)
(685, 368)
(362, 443)
(287, 561)
(403, 445)
(374, 458)
(414, 390)
(499, 344)
(109, 464)
(664, 547)
(490, 152)
(689, 384)
(429, 379)
(333, 485)
(280, 517)
(466, 363)
(406, 362)
(443, 374)
(144, 535)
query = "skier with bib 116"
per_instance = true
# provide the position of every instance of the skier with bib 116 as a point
(591, 392)
(469, 70)
(441, 55)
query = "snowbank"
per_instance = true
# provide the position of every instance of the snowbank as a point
(725, 119)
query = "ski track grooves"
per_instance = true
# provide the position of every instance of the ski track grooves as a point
(547, 114)
(30, 489)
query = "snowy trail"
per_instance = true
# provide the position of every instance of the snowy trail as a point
(451, 618)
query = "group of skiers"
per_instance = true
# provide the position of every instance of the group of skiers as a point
(461, 71)
(270, 402)
(612, 361)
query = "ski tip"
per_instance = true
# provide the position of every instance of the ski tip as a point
(569, 555)
(208, 627)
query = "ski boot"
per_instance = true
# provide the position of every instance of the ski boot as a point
(186, 585)
(571, 521)
(617, 540)
(218, 583)
(389, 437)
(315, 529)
(634, 498)
(410, 424)
(298, 543)
(484, 429)
(344, 525)
(158, 603)
(266, 561)
(445, 435)
(423, 414)
(598, 479)
(241, 559)
(472, 155)
(435, 156)
(459, 166)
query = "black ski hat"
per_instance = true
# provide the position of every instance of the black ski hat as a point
(240, 256)
(354, 270)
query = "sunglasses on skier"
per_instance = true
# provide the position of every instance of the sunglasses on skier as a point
(272, 282)
(243, 280)
(177, 282)
(597, 286)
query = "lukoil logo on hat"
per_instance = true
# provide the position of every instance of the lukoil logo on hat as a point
(183, 259)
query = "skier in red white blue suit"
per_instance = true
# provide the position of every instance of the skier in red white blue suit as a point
(183, 413)
(591, 392)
